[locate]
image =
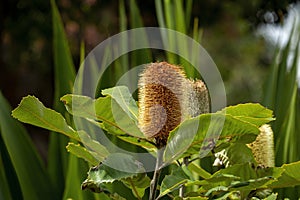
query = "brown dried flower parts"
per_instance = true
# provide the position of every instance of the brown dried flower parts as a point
(164, 100)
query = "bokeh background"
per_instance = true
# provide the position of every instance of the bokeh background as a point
(229, 35)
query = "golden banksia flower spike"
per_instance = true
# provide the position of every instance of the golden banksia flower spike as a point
(161, 97)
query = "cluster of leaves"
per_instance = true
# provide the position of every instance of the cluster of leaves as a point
(231, 128)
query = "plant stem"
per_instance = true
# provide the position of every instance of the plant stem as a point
(154, 181)
(182, 187)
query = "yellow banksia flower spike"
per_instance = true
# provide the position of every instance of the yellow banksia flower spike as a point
(263, 147)
(198, 98)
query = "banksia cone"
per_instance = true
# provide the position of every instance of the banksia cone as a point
(263, 147)
(198, 99)
(161, 100)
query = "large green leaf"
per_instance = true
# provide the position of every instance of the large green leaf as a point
(104, 173)
(138, 184)
(241, 178)
(82, 152)
(99, 150)
(250, 177)
(202, 133)
(64, 75)
(32, 176)
(32, 111)
(250, 112)
(290, 176)
(173, 181)
(123, 97)
(104, 109)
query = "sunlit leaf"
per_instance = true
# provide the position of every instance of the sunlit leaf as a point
(104, 173)
(123, 97)
(173, 181)
(250, 177)
(32, 111)
(189, 136)
(100, 152)
(273, 196)
(104, 109)
(83, 153)
(250, 112)
(138, 184)
(290, 176)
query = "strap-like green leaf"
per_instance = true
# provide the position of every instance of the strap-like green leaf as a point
(26, 162)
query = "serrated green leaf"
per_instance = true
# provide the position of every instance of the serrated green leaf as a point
(273, 196)
(173, 181)
(123, 97)
(250, 112)
(100, 152)
(215, 180)
(104, 109)
(138, 184)
(201, 133)
(251, 177)
(33, 112)
(81, 152)
(104, 173)
(290, 176)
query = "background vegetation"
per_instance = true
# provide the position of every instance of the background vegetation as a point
(226, 29)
